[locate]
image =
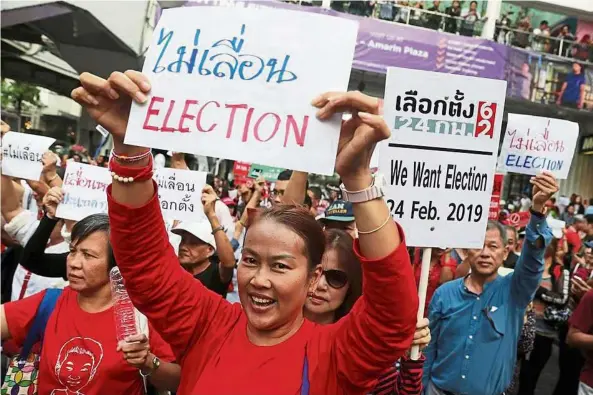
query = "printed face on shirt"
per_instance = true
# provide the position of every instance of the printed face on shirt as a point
(326, 299)
(88, 262)
(486, 261)
(273, 276)
(78, 361)
(193, 251)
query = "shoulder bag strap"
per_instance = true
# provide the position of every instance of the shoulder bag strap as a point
(305, 378)
(25, 285)
(37, 330)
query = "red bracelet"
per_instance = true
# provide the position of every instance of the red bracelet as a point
(135, 158)
(127, 174)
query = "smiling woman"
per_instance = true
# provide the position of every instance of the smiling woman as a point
(268, 345)
(80, 351)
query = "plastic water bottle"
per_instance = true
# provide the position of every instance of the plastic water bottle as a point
(124, 311)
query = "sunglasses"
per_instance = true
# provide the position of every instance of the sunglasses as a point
(335, 278)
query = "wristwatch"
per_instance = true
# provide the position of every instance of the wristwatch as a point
(156, 363)
(374, 191)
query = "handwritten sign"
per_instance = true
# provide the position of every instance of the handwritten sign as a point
(441, 156)
(269, 173)
(236, 84)
(533, 144)
(21, 154)
(495, 198)
(180, 193)
(85, 191)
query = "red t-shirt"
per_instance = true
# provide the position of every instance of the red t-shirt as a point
(573, 238)
(79, 348)
(582, 319)
(209, 335)
(434, 275)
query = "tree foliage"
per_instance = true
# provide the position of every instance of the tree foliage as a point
(20, 96)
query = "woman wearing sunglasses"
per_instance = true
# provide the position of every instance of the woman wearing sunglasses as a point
(336, 292)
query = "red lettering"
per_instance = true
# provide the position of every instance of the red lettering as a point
(199, 118)
(260, 120)
(185, 115)
(152, 111)
(247, 123)
(298, 135)
(233, 108)
(166, 128)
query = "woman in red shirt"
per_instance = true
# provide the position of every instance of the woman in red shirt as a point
(80, 353)
(265, 346)
(335, 294)
(442, 269)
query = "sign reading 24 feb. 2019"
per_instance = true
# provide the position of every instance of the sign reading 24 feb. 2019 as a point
(533, 144)
(236, 84)
(440, 159)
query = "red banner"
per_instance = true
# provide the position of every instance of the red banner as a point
(495, 199)
(240, 172)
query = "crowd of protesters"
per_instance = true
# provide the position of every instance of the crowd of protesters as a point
(324, 286)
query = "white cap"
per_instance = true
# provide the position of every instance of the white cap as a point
(202, 230)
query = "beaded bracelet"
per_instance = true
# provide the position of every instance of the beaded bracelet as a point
(127, 174)
(130, 159)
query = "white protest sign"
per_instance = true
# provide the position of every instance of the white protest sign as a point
(85, 191)
(180, 193)
(237, 83)
(21, 154)
(533, 144)
(440, 159)
(556, 226)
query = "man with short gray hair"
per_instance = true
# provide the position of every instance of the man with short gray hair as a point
(475, 321)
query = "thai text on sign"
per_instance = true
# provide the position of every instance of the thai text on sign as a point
(440, 160)
(233, 83)
(533, 144)
(21, 154)
(180, 193)
(85, 191)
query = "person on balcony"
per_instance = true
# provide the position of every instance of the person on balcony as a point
(454, 12)
(572, 93)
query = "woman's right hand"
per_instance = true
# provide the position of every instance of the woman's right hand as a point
(52, 198)
(108, 101)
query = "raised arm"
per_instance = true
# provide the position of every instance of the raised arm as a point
(49, 174)
(530, 266)
(11, 197)
(224, 249)
(34, 257)
(180, 308)
(382, 325)
(296, 189)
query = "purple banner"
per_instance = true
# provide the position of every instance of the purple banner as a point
(384, 44)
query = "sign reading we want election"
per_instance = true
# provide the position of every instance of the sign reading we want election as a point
(441, 157)
(238, 84)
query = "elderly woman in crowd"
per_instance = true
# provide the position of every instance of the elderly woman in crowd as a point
(266, 343)
(80, 350)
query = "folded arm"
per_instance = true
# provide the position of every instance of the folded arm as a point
(530, 266)
(34, 257)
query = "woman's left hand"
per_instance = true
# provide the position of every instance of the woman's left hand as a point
(358, 135)
(136, 350)
(422, 334)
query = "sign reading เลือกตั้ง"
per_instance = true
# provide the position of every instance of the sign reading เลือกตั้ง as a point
(236, 84)
(85, 191)
(534, 144)
(180, 193)
(21, 154)
(440, 160)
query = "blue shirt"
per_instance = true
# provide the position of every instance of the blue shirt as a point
(572, 93)
(474, 337)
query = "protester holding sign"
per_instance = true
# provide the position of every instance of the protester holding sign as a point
(479, 317)
(282, 249)
(336, 292)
